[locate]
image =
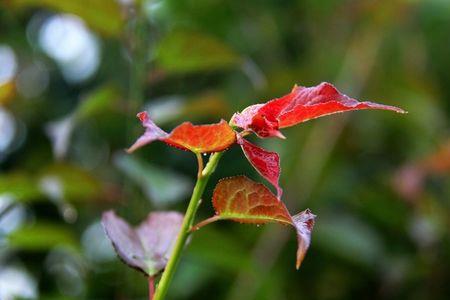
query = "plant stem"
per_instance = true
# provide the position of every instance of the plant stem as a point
(202, 180)
(151, 287)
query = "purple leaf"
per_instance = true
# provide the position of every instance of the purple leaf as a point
(152, 132)
(148, 246)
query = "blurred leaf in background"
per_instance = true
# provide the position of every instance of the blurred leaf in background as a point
(73, 75)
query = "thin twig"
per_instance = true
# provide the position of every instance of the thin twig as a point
(204, 222)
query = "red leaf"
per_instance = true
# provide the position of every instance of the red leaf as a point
(300, 105)
(243, 200)
(148, 246)
(195, 138)
(202, 138)
(265, 162)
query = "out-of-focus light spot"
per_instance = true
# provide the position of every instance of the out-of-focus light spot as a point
(63, 37)
(13, 214)
(7, 130)
(423, 230)
(59, 132)
(161, 186)
(8, 64)
(53, 188)
(254, 73)
(152, 7)
(88, 140)
(32, 81)
(67, 40)
(69, 213)
(68, 270)
(16, 283)
(96, 246)
(165, 109)
(156, 11)
(126, 2)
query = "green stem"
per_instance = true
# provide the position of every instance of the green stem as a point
(188, 220)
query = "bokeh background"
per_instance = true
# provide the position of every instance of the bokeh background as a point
(73, 75)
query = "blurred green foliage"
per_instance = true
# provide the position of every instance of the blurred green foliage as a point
(73, 75)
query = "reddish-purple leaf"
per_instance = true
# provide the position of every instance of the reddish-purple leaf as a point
(265, 162)
(300, 105)
(152, 132)
(243, 200)
(303, 223)
(196, 138)
(148, 246)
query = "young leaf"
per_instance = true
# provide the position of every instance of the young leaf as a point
(303, 223)
(148, 246)
(195, 138)
(202, 138)
(300, 105)
(152, 132)
(265, 162)
(243, 200)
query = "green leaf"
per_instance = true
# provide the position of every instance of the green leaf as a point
(350, 239)
(69, 182)
(61, 181)
(19, 186)
(161, 186)
(97, 101)
(42, 236)
(185, 52)
(101, 100)
(102, 15)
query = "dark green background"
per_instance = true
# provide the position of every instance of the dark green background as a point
(371, 240)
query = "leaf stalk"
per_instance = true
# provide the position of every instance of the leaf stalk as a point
(151, 287)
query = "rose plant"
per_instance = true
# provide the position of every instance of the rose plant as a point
(156, 245)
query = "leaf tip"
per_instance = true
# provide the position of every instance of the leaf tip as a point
(304, 223)
(278, 134)
(142, 116)
(129, 150)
